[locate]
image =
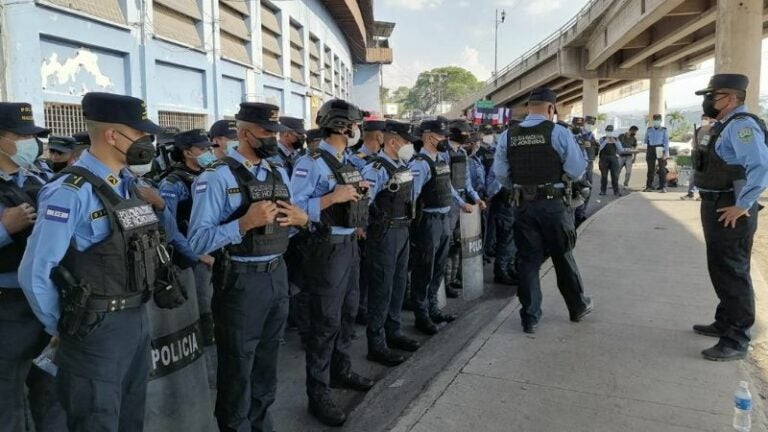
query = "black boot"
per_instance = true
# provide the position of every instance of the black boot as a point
(385, 357)
(403, 343)
(722, 352)
(442, 318)
(451, 292)
(710, 330)
(323, 408)
(352, 381)
(426, 326)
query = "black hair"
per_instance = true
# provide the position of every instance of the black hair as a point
(634, 128)
(177, 155)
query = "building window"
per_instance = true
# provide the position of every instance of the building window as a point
(106, 9)
(183, 121)
(235, 30)
(328, 70)
(178, 20)
(297, 53)
(272, 49)
(315, 66)
(63, 119)
(336, 76)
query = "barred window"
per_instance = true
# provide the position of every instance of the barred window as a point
(297, 53)
(183, 121)
(235, 30)
(271, 40)
(328, 71)
(63, 119)
(178, 20)
(315, 67)
(106, 9)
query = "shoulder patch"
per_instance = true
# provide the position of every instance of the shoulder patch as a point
(74, 181)
(300, 172)
(98, 214)
(57, 214)
(746, 134)
(112, 180)
(201, 187)
(233, 191)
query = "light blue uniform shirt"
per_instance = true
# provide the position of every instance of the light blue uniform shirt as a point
(289, 154)
(11, 279)
(743, 143)
(312, 179)
(587, 136)
(422, 174)
(658, 137)
(173, 194)
(68, 216)
(217, 196)
(492, 186)
(358, 158)
(477, 174)
(563, 142)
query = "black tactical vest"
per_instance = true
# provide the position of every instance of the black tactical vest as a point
(486, 158)
(182, 174)
(11, 195)
(610, 149)
(436, 193)
(711, 172)
(532, 159)
(458, 170)
(124, 263)
(589, 146)
(349, 214)
(261, 241)
(395, 200)
(287, 161)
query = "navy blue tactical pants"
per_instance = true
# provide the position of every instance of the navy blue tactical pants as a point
(506, 251)
(431, 240)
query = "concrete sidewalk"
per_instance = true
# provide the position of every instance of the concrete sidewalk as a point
(632, 365)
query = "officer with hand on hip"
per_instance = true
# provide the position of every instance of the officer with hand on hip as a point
(731, 172)
(532, 159)
(334, 194)
(656, 137)
(609, 161)
(95, 257)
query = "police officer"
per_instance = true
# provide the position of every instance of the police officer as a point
(610, 147)
(290, 143)
(223, 135)
(60, 149)
(192, 154)
(242, 206)
(392, 209)
(334, 194)
(628, 153)
(533, 162)
(314, 136)
(656, 137)
(582, 133)
(503, 217)
(101, 245)
(589, 144)
(432, 230)
(731, 172)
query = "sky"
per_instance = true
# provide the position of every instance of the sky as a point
(435, 33)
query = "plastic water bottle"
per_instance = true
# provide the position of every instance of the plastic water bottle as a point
(742, 408)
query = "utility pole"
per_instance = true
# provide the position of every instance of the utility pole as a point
(497, 22)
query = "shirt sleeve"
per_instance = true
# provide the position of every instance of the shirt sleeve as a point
(468, 188)
(751, 152)
(421, 175)
(172, 193)
(5, 237)
(376, 177)
(500, 165)
(61, 210)
(303, 184)
(206, 231)
(565, 144)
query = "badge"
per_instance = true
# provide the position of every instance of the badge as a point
(98, 214)
(248, 164)
(745, 135)
(112, 180)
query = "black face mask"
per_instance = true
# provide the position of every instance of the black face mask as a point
(140, 152)
(58, 166)
(443, 145)
(267, 147)
(708, 106)
(299, 144)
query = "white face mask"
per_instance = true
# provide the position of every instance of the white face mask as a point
(356, 134)
(140, 170)
(26, 153)
(657, 123)
(705, 122)
(588, 127)
(488, 139)
(610, 134)
(232, 145)
(405, 153)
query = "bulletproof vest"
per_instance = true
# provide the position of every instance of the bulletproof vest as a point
(271, 239)
(486, 158)
(124, 263)
(591, 151)
(610, 149)
(349, 214)
(436, 193)
(532, 159)
(395, 200)
(182, 174)
(458, 170)
(711, 172)
(11, 195)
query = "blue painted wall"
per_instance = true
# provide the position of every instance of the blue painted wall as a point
(366, 88)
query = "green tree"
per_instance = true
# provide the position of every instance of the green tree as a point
(600, 120)
(400, 95)
(385, 94)
(446, 84)
(675, 118)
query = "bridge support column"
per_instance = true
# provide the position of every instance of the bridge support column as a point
(738, 47)
(656, 104)
(589, 100)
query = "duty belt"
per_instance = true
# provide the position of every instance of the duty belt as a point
(714, 196)
(115, 303)
(260, 266)
(340, 238)
(11, 294)
(398, 223)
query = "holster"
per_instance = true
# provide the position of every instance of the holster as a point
(74, 301)
(222, 266)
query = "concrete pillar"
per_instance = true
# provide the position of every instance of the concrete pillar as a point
(738, 48)
(564, 112)
(589, 104)
(656, 104)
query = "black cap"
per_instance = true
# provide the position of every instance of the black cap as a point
(192, 138)
(82, 138)
(17, 118)
(262, 114)
(459, 126)
(402, 129)
(61, 144)
(609, 128)
(223, 128)
(590, 120)
(167, 135)
(657, 116)
(314, 134)
(486, 129)
(633, 128)
(725, 81)
(577, 121)
(294, 124)
(543, 94)
(114, 108)
(433, 126)
(376, 125)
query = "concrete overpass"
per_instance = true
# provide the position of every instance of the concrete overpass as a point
(612, 43)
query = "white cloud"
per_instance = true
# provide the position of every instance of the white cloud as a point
(464, 3)
(510, 3)
(404, 74)
(541, 7)
(470, 60)
(414, 4)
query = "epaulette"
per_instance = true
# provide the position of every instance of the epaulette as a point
(214, 166)
(377, 164)
(74, 181)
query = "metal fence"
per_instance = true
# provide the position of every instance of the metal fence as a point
(183, 121)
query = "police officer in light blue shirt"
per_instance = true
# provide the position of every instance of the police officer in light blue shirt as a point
(98, 240)
(290, 143)
(242, 208)
(731, 172)
(334, 194)
(656, 137)
(532, 164)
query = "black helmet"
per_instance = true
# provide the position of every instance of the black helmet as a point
(338, 114)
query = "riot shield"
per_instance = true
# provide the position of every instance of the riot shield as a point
(472, 254)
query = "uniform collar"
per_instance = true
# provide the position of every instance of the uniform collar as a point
(396, 163)
(340, 156)
(535, 117)
(236, 155)
(364, 150)
(429, 155)
(97, 167)
(739, 109)
(286, 151)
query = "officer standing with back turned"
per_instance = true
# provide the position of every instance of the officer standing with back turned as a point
(731, 166)
(531, 160)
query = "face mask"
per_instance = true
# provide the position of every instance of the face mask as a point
(140, 169)
(657, 123)
(354, 138)
(443, 145)
(588, 127)
(58, 166)
(140, 152)
(705, 122)
(26, 153)
(267, 147)
(708, 106)
(299, 144)
(610, 134)
(405, 153)
(232, 145)
(205, 159)
(488, 139)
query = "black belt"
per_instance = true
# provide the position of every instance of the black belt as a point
(260, 266)
(435, 215)
(11, 294)
(714, 196)
(115, 303)
(341, 238)
(398, 223)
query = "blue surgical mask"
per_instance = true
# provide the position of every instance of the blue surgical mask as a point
(657, 123)
(588, 127)
(232, 145)
(205, 159)
(26, 153)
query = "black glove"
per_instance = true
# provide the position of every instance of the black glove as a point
(169, 293)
